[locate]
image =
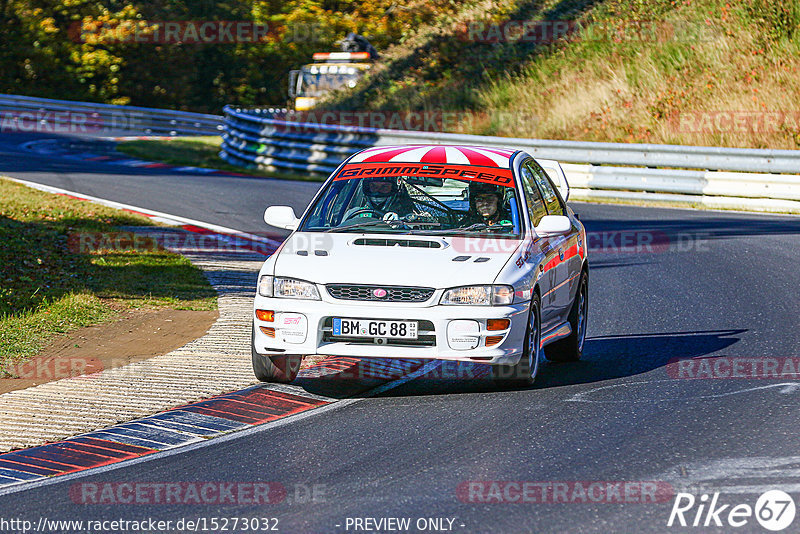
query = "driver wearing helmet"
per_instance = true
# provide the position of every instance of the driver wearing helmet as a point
(383, 195)
(486, 206)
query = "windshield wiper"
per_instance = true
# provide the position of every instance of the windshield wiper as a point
(392, 223)
(365, 224)
(473, 228)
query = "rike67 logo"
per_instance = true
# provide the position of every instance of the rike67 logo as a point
(774, 510)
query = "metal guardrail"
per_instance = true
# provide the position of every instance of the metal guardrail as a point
(256, 138)
(719, 177)
(31, 114)
(761, 179)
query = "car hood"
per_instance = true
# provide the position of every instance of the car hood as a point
(383, 259)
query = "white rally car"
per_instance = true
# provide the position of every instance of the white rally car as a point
(449, 252)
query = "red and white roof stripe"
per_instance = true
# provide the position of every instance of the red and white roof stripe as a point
(458, 155)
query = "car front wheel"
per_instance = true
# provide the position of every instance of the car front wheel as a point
(283, 368)
(525, 371)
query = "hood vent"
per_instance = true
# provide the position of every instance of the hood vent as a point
(389, 242)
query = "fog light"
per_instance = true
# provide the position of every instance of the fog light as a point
(265, 315)
(493, 340)
(497, 324)
(268, 331)
(463, 334)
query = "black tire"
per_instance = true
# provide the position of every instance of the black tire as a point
(570, 349)
(521, 374)
(281, 369)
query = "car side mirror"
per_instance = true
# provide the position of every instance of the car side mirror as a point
(553, 225)
(281, 217)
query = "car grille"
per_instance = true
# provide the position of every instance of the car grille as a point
(393, 293)
(427, 336)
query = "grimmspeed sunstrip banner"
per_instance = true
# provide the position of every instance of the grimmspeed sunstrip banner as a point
(473, 173)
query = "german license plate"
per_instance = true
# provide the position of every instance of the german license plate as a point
(371, 328)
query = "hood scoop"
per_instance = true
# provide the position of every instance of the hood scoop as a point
(392, 242)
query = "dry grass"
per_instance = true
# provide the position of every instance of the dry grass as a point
(620, 100)
(693, 59)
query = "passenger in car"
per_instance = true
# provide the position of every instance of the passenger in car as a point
(486, 206)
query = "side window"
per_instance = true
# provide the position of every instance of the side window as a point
(533, 198)
(332, 206)
(551, 200)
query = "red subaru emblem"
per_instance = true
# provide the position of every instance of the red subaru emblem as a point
(379, 293)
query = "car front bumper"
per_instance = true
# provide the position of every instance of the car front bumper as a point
(304, 327)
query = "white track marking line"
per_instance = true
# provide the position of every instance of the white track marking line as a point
(160, 216)
(786, 388)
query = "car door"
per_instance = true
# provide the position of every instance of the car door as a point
(568, 262)
(541, 247)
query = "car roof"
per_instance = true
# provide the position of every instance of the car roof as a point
(441, 154)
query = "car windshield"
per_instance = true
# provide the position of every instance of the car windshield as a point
(417, 199)
(317, 81)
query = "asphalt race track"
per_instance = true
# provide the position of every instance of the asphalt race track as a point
(700, 284)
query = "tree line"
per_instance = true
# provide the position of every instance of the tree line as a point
(196, 56)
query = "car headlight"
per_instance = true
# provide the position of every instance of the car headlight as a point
(265, 286)
(295, 289)
(479, 296)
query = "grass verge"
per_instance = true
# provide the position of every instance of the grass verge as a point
(202, 151)
(48, 287)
